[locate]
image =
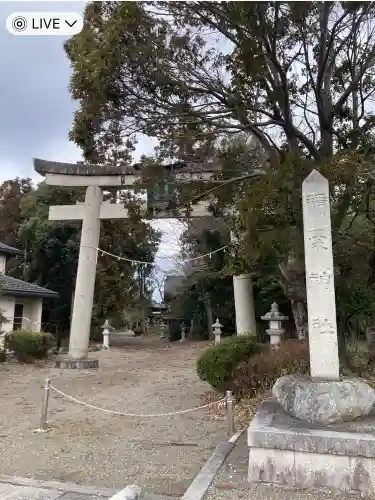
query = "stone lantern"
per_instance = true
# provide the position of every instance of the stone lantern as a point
(183, 332)
(162, 329)
(274, 319)
(106, 332)
(217, 330)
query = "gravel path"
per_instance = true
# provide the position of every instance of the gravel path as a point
(85, 446)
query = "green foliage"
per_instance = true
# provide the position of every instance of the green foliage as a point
(261, 371)
(27, 345)
(150, 68)
(12, 194)
(53, 248)
(205, 287)
(359, 359)
(216, 364)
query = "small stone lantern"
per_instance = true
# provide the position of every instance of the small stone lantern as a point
(106, 332)
(162, 329)
(217, 330)
(274, 318)
(183, 333)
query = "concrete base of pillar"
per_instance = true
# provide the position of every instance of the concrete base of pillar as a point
(80, 364)
(289, 452)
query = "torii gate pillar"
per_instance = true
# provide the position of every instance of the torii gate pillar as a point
(244, 302)
(86, 274)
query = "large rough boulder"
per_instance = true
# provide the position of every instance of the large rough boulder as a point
(324, 402)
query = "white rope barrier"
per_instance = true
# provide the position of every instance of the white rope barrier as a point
(139, 415)
(133, 261)
(22, 317)
(225, 402)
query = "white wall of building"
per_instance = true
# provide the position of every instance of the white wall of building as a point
(32, 312)
(7, 304)
(3, 261)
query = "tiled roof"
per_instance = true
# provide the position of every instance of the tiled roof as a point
(7, 250)
(19, 288)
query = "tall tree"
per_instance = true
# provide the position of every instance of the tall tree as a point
(297, 77)
(12, 192)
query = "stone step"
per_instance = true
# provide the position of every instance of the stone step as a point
(30, 489)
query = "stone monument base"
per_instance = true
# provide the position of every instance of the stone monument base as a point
(80, 364)
(286, 451)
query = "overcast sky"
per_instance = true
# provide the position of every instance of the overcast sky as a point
(36, 110)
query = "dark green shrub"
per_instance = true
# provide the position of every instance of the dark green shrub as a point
(96, 333)
(28, 345)
(358, 358)
(216, 364)
(261, 371)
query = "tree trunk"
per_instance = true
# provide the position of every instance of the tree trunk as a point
(370, 337)
(142, 296)
(300, 318)
(293, 283)
(210, 320)
(343, 354)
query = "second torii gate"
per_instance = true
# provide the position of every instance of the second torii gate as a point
(95, 179)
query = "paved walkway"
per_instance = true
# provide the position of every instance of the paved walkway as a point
(15, 488)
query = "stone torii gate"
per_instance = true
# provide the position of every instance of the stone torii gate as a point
(95, 178)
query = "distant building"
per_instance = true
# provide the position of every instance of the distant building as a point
(21, 303)
(157, 311)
